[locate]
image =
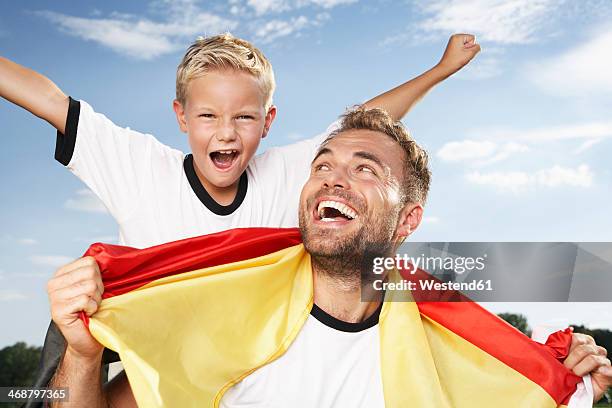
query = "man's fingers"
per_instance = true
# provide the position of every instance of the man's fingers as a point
(579, 353)
(86, 287)
(579, 339)
(590, 363)
(77, 275)
(606, 370)
(66, 313)
(76, 264)
(91, 307)
(82, 303)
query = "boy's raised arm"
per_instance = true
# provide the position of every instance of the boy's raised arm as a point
(33, 92)
(460, 50)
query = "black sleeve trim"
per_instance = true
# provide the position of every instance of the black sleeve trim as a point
(64, 144)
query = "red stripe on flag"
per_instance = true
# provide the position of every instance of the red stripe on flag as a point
(125, 269)
(499, 339)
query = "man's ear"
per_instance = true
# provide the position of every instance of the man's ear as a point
(180, 115)
(269, 119)
(409, 220)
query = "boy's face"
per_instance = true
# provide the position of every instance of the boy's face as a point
(225, 119)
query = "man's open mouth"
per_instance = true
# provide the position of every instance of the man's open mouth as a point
(224, 159)
(334, 211)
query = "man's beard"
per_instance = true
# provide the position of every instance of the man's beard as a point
(350, 258)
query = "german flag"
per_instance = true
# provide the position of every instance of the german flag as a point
(191, 318)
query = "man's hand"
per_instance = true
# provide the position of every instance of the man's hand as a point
(76, 287)
(460, 50)
(586, 357)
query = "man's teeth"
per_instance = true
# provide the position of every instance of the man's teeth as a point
(343, 208)
(227, 151)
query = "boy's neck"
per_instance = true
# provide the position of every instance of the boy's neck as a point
(222, 195)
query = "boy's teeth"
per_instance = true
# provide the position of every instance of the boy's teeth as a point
(343, 208)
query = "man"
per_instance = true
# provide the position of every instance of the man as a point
(365, 195)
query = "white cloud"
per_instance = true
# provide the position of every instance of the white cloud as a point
(479, 152)
(295, 136)
(276, 6)
(327, 4)
(180, 22)
(557, 176)
(109, 239)
(496, 24)
(431, 220)
(587, 145)
(29, 274)
(274, 29)
(142, 38)
(484, 68)
(266, 6)
(85, 200)
(589, 134)
(498, 21)
(518, 181)
(27, 241)
(54, 261)
(582, 70)
(466, 150)
(7, 295)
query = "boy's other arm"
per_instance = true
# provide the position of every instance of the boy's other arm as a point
(33, 92)
(460, 50)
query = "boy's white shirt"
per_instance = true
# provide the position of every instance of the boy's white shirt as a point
(144, 186)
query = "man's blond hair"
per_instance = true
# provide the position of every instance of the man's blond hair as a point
(222, 52)
(417, 176)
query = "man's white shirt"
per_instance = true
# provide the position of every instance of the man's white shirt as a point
(326, 366)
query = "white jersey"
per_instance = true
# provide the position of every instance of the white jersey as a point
(153, 192)
(330, 364)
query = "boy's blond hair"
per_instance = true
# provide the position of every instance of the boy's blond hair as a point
(220, 52)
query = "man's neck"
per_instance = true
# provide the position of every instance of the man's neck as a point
(341, 297)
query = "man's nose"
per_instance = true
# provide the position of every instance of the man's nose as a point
(337, 178)
(226, 131)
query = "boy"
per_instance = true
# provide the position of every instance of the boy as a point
(224, 92)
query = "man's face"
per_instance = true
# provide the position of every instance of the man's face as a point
(225, 119)
(352, 201)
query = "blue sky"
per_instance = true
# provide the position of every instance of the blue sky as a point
(520, 140)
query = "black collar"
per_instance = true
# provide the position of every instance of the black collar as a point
(331, 321)
(203, 195)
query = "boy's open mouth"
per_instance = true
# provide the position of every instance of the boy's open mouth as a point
(223, 159)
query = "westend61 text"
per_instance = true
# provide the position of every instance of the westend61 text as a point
(479, 285)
